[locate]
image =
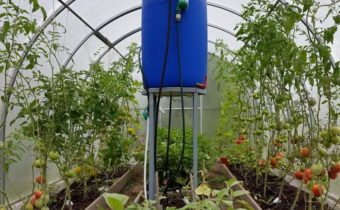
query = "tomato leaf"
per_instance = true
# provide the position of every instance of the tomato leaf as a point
(329, 34)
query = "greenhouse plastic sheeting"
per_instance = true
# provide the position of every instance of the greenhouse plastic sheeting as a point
(122, 32)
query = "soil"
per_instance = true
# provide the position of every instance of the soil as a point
(77, 191)
(273, 189)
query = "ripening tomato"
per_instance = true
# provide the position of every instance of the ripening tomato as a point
(304, 152)
(78, 169)
(337, 167)
(279, 156)
(33, 200)
(317, 190)
(242, 138)
(273, 162)
(276, 143)
(38, 194)
(39, 179)
(29, 206)
(262, 163)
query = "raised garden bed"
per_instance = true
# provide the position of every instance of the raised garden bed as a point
(273, 188)
(94, 197)
(118, 186)
(222, 169)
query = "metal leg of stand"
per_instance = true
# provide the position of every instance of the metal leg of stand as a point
(152, 172)
(195, 143)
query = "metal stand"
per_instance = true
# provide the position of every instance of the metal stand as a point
(174, 91)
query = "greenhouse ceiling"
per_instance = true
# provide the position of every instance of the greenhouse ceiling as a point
(108, 26)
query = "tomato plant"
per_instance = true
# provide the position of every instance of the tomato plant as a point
(275, 88)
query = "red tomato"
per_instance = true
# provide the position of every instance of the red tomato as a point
(308, 173)
(332, 175)
(299, 175)
(224, 161)
(238, 141)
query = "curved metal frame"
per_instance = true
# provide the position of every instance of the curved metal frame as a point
(137, 8)
(82, 42)
(117, 41)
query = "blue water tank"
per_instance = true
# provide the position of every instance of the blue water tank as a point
(193, 43)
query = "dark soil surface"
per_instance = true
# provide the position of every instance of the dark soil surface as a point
(77, 191)
(174, 199)
(273, 189)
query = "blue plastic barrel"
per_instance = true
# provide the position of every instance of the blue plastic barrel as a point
(193, 43)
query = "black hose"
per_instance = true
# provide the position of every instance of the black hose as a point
(146, 87)
(182, 104)
(166, 167)
(162, 80)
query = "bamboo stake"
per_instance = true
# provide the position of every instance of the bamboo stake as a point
(158, 205)
(192, 189)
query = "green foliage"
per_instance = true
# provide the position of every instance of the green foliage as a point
(204, 150)
(79, 110)
(275, 87)
(218, 199)
(115, 201)
(146, 205)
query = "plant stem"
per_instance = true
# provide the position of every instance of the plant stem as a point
(297, 196)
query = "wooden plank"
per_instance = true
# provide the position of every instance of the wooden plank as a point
(220, 168)
(117, 186)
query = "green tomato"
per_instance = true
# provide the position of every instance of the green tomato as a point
(39, 203)
(322, 152)
(70, 174)
(29, 206)
(2, 145)
(266, 112)
(335, 130)
(256, 95)
(45, 208)
(53, 155)
(259, 117)
(38, 163)
(311, 101)
(335, 139)
(45, 198)
(286, 126)
(317, 169)
(324, 134)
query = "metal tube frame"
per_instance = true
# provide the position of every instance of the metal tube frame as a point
(174, 91)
